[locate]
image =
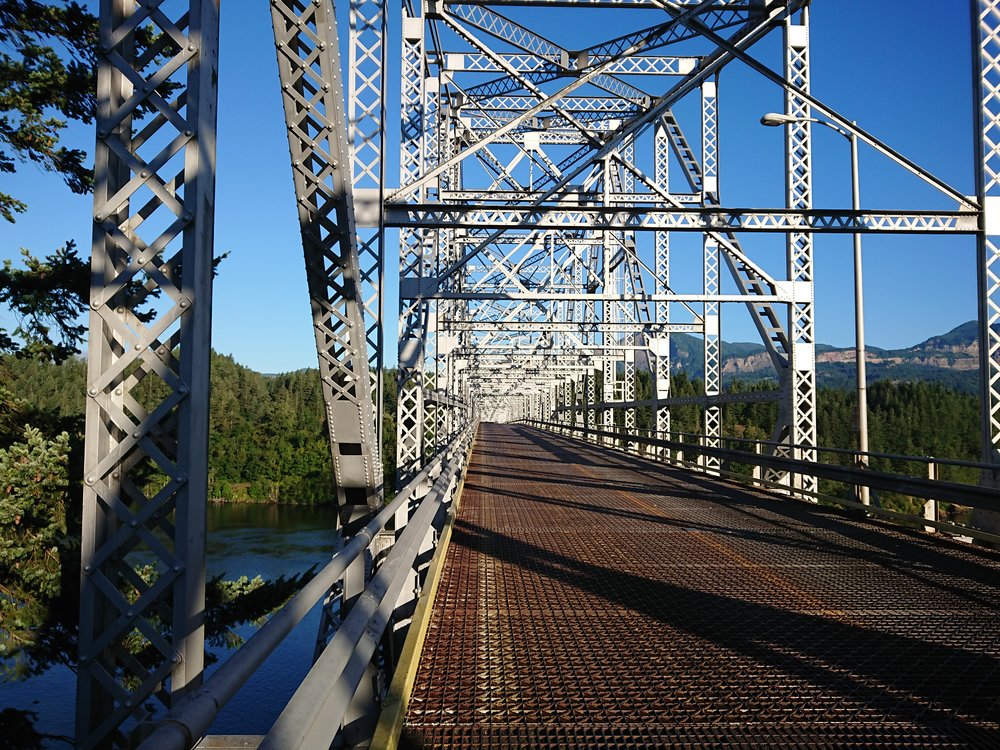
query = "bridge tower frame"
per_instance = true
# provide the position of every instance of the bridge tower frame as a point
(508, 287)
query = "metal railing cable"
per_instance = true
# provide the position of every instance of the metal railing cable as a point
(191, 718)
(957, 462)
(973, 496)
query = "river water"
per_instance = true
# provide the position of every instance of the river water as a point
(250, 540)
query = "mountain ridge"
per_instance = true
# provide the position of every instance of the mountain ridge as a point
(951, 358)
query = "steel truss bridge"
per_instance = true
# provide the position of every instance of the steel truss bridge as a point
(540, 186)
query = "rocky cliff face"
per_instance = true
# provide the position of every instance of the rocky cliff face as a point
(952, 357)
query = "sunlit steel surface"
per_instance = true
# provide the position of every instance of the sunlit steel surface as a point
(539, 185)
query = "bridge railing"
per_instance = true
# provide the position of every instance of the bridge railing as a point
(319, 705)
(690, 451)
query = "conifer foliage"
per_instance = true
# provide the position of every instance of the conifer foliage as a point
(33, 485)
(46, 79)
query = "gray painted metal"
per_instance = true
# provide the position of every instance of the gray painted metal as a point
(534, 261)
(190, 718)
(308, 51)
(986, 79)
(145, 466)
(680, 219)
(419, 92)
(317, 710)
(366, 133)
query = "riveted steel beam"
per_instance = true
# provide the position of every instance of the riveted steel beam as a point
(146, 462)
(308, 52)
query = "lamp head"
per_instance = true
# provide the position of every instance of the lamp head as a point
(776, 120)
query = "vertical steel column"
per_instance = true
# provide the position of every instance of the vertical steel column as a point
(566, 416)
(608, 385)
(629, 287)
(611, 313)
(986, 81)
(448, 250)
(590, 398)
(660, 348)
(800, 391)
(366, 99)
(562, 402)
(412, 265)
(713, 340)
(571, 391)
(712, 358)
(145, 462)
(434, 138)
(578, 403)
(591, 336)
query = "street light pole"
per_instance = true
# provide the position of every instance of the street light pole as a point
(775, 119)
(859, 327)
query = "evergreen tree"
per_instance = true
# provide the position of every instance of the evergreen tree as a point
(47, 297)
(33, 484)
(46, 79)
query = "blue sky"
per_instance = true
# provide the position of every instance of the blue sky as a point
(900, 68)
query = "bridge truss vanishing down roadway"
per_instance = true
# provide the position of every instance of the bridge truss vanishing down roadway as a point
(541, 184)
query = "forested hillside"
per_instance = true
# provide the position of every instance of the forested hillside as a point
(267, 440)
(951, 359)
(913, 418)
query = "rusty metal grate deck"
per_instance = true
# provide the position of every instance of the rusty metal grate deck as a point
(590, 599)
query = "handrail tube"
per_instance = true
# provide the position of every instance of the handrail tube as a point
(316, 710)
(962, 494)
(871, 510)
(751, 397)
(964, 463)
(187, 722)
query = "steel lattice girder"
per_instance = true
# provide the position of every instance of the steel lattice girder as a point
(677, 219)
(419, 105)
(797, 421)
(986, 76)
(366, 99)
(146, 459)
(530, 236)
(312, 94)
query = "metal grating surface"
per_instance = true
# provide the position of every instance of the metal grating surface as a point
(591, 599)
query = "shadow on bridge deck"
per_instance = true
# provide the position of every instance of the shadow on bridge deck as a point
(594, 599)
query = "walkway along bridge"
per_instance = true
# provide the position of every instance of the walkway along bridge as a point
(607, 581)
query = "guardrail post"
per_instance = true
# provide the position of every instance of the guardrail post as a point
(860, 461)
(931, 506)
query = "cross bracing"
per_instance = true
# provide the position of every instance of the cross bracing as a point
(546, 186)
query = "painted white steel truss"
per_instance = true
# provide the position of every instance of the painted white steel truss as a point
(148, 364)
(556, 233)
(308, 65)
(543, 187)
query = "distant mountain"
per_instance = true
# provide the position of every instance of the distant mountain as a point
(951, 359)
